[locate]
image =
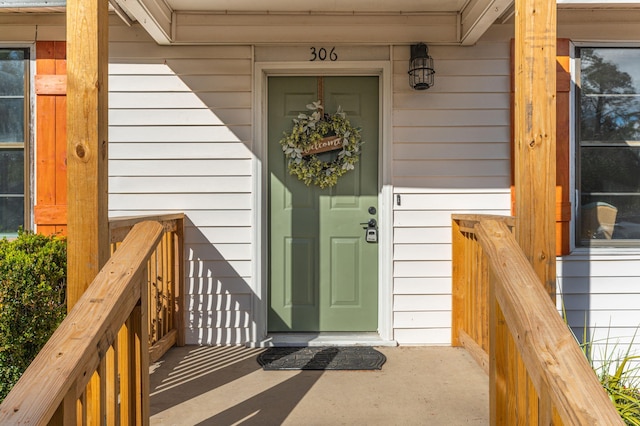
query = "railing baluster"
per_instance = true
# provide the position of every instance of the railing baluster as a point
(102, 389)
(125, 364)
(92, 398)
(178, 278)
(540, 376)
(458, 286)
(81, 410)
(111, 391)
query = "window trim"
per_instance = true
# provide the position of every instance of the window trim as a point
(29, 126)
(578, 245)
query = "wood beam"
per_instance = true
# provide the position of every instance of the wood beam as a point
(87, 109)
(517, 399)
(154, 16)
(535, 135)
(477, 16)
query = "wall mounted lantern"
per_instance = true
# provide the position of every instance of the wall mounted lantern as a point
(420, 67)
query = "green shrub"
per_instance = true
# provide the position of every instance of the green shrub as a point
(33, 272)
(619, 375)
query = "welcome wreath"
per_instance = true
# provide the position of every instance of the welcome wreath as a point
(309, 146)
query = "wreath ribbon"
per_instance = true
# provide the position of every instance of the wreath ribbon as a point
(317, 133)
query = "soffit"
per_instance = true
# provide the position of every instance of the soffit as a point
(326, 6)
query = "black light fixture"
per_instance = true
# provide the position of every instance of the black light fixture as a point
(420, 67)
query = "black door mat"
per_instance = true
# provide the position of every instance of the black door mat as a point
(322, 358)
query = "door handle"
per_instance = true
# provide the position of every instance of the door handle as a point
(371, 224)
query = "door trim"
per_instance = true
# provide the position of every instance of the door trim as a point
(262, 70)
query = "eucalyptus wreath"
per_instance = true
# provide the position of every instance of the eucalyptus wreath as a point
(308, 130)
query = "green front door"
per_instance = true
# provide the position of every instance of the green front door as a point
(323, 272)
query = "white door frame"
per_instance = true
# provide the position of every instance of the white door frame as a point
(260, 295)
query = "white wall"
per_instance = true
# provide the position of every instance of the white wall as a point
(180, 140)
(600, 292)
(450, 155)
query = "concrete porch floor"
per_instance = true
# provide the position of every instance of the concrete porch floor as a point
(201, 385)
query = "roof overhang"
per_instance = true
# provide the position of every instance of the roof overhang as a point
(467, 19)
(460, 22)
(450, 21)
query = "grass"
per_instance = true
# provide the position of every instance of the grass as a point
(619, 373)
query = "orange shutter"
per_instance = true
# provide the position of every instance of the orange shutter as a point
(51, 137)
(563, 205)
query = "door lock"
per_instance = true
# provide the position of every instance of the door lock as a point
(371, 231)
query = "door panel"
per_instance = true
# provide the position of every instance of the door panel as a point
(323, 274)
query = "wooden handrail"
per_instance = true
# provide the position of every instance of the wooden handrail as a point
(119, 227)
(166, 276)
(60, 373)
(554, 363)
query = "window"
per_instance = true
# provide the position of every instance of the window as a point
(609, 146)
(13, 112)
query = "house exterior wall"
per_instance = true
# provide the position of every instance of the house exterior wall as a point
(182, 139)
(450, 155)
(600, 291)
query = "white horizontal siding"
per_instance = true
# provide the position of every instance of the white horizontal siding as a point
(222, 251)
(431, 218)
(205, 286)
(222, 268)
(186, 201)
(600, 295)
(218, 234)
(218, 319)
(177, 184)
(422, 251)
(447, 134)
(414, 268)
(418, 319)
(229, 304)
(437, 336)
(274, 28)
(422, 285)
(200, 167)
(176, 134)
(179, 101)
(216, 336)
(20, 28)
(447, 151)
(180, 140)
(450, 155)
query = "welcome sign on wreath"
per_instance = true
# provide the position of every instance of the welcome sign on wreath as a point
(316, 134)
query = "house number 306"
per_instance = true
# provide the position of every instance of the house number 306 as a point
(322, 54)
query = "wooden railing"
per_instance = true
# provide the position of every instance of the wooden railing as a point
(95, 367)
(165, 277)
(507, 321)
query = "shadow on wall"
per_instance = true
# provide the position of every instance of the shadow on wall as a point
(218, 296)
(573, 292)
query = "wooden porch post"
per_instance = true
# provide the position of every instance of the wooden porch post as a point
(514, 400)
(535, 135)
(87, 109)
